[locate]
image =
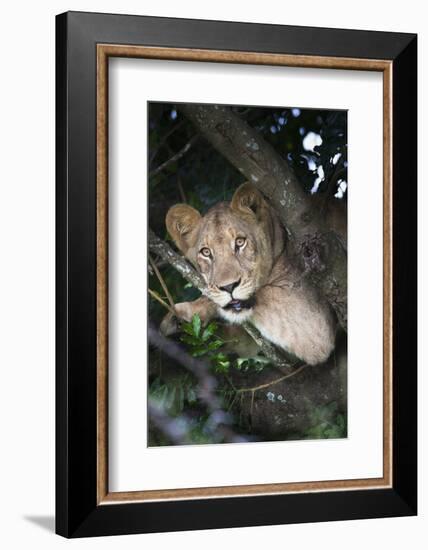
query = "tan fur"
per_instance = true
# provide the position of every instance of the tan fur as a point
(287, 310)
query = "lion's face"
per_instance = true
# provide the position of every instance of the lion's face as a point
(233, 246)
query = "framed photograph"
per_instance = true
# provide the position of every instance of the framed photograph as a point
(236, 274)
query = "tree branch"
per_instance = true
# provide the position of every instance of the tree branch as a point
(162, 249)
(268, 349)
(164, 140)
(174, 158)
(207, 385)
(324, 260)
(256, 159)
(156, 297)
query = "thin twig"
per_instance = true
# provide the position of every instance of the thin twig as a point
(156, 296)
(179, 184)
(164, 138)
(268, 384)
(181, 190)
(174, 158)
(162, 249)
(162, 282)
(252, 405)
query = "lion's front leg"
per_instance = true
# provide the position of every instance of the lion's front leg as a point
(205, 308)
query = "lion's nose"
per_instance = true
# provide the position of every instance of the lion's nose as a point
(231, 287)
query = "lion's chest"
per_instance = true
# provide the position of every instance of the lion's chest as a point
(236, 318)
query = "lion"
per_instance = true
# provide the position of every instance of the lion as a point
(239, 248)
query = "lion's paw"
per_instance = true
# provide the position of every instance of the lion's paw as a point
(171, 323)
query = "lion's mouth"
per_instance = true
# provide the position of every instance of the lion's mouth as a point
(239, 305)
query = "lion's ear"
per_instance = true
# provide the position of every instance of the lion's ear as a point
(181, 222)
(248, 199)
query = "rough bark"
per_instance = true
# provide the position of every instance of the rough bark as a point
(164, 251)
(288, 408)
(318, 249)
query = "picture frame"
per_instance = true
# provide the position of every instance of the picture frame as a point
(84, 44)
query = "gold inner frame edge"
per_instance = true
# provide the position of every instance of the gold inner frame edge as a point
(104, 51)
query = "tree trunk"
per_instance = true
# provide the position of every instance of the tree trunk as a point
(294, 406)
(319, 250)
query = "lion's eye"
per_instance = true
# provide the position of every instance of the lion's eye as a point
(205, 252)
(240, 241)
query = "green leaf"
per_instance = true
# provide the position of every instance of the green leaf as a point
(191, 340)
(340, 420)
(191, 395)
(209, 331)
(199, 351)
(257, 363)
(155, 384)
(331, 407)
(332, 433)
(187, 328)
(196, 324)
(219, 356)
(222, 366)
(240, 362)
(212, 346)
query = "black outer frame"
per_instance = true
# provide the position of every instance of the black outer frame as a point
(77, 513)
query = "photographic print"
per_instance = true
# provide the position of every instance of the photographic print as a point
(247, 283)
(203, 274)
